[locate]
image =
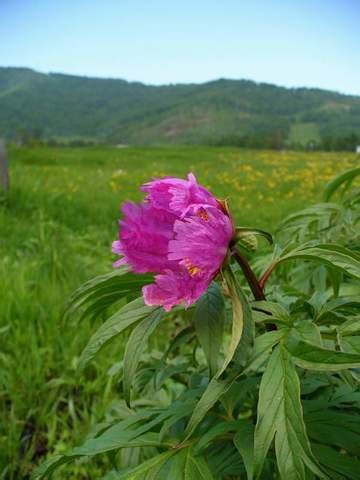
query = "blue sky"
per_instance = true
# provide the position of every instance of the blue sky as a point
(293, 43)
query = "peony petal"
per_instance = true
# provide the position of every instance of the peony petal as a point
(176, 195)
(201, 241)
(174, 288)
(144, 236)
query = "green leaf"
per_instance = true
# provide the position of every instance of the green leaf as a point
(344, 178)
(271, 312)
(304, 217)
(243, 329)
(114, 438)
(307, 331)
(241, 346)
(334, 428)
(280, 415)
(338, 462)
(217, 430)
(168, 371)
(209, 324)
(49, 466)
(335, 256)
(312, 357)
(116, 324)
(196, 468)
(243, 232)
(350, 344)
(187, 466)
(244, 442)
(104, 290)
(213, 392)
(352, 325)
(184, 336)
(148, 469)
(335, 309)
(179, 410)
(263, 346)
(135, 346)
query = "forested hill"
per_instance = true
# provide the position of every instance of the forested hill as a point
(237, 112)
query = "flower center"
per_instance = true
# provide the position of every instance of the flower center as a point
(203, 214)
(192, 269)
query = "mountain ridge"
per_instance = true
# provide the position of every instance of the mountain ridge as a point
(221, 111)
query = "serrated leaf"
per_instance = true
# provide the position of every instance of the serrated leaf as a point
(116, 324)
(312, 357)
(280, 415)
(135, 346)
(209, 324)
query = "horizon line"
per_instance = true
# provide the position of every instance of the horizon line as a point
(243, 79)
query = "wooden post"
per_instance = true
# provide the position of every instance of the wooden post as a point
(4, 174)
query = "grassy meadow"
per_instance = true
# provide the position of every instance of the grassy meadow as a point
(56, 227)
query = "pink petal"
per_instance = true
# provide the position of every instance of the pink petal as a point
(144, 236)
(174, 288)
(201, 241)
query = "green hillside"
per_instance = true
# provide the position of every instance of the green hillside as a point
(237, 112)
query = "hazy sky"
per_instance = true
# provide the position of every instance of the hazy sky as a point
(293, 43)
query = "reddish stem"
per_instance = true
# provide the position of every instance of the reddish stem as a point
(255, 285)
(249, 274)
(265, 276)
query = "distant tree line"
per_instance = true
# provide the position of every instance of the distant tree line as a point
(36, 138)
(275, 140)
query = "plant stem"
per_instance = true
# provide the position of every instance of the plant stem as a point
(249, 274)
(265, 276)
(255, 285)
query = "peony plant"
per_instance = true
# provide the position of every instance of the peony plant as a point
(259, 375)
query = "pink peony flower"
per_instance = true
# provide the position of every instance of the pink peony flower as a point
(181, 233)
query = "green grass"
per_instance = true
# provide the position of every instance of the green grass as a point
(56, 228)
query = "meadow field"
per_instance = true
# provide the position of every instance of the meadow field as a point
(57, 224)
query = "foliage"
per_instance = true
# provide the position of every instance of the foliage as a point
(56, 233)
(56, 108)
(274, 395)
